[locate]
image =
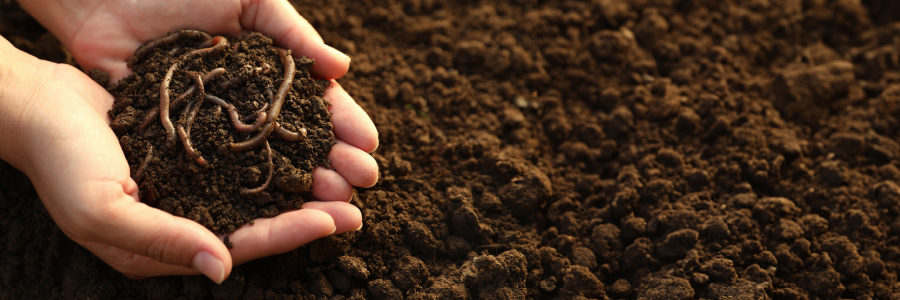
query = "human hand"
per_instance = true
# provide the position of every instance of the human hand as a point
(97, 206)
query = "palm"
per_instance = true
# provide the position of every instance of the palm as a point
(109, 34)
(115, 29)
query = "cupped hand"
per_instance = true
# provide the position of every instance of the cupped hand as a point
(81, 174)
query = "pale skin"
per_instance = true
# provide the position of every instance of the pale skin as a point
(54, 126)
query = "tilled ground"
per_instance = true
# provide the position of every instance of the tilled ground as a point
(602, 149)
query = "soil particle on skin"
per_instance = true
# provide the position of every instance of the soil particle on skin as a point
(212, 193)
(553, 150)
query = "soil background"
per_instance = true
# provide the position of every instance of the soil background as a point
(605, 149)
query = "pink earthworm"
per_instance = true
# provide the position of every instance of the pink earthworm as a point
(154, 112)
(193, 112)
(246, 191)
(264, 68)
(193, 153)
(198, 84)
(164, 106)
(235, 118)
(259, 111)
(190, 112)
(140, 171)
(254, 141)
(275, 108)
(172, 38)
(214, 45)
(289, 71)
(290, 135)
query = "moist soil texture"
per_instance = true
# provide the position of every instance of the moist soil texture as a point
(607, 149)
(212, 184)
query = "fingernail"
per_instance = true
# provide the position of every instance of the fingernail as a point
(339, 53)
(360, 227)
(209, 265)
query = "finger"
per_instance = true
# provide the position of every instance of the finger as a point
(358, 167)
(280, 20)
(132, 265)
(351, 123)
(328, 185)
(283, 233)
(347, 217)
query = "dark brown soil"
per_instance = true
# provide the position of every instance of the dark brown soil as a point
(211, 193)
(605, 149)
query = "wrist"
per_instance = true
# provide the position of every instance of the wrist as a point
(18, 91)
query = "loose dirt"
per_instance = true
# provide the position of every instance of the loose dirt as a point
(216, 186)
(606, 149)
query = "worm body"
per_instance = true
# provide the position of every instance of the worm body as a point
(168, 40)
(140, 171)
(164, 106)
(289, 71)
(154, 112)
(259, 138)
(246, 191)
(218, 43)
(191, 152)
(259, 111)
(290, 135)
(236, 121)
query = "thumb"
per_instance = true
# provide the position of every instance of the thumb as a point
(280, 20)
(83, 179)
(97, 204)
(138, 228)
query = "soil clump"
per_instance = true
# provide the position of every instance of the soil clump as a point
(221, 95)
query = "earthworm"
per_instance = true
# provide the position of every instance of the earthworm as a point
(198, 84)
(290, 135)
(191, 112)
(216, 44)
(178, 101)
(148, 119)
(240, 126)
(275, 108)
(235, 118)
(193, 153)
(140, 171)
(264, 68)
(256, 113)
(164, 106)
(172, 38)
(254, 141)
(217, 101)
(246, 191)
(289, 71)
(191, 90)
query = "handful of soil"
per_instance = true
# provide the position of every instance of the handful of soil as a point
(221, 131)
